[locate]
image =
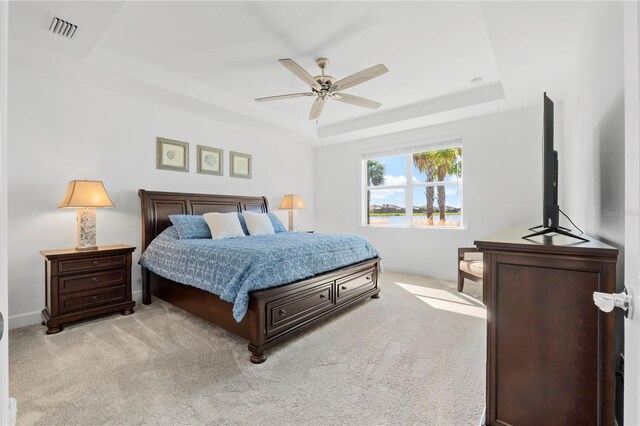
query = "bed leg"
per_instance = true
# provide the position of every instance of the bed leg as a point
(146, 286)
(376, 296)
(258, 358)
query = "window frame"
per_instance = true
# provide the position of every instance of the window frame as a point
(408, 151)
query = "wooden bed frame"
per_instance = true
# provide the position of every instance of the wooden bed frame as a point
(274, 314)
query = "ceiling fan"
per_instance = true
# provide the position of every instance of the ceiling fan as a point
(324, 86)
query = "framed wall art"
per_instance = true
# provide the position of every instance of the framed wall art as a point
(210, 160)
(172, 155)
(240, 165)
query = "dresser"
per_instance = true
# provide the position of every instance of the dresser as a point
(550, 351)
(84, 284)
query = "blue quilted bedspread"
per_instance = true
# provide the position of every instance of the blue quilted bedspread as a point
(231, 268)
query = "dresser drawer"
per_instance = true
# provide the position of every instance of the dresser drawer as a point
(75, 302)
(76, 283)
(75, 265)
(285, 312)
(355, 284)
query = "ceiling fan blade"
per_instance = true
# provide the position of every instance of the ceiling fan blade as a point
(356, 100)
(359, 77)
(299, 72)
(316, 108)
(278, 97)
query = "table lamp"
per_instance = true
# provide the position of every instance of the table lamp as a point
(86, 196)
(291, 202)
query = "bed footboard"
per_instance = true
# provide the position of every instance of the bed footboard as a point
(281, 312)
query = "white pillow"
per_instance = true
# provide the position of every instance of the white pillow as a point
(224, 225)
(258, 223)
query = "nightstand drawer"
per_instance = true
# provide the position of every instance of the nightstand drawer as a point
(76, 283)
(74, 265)
(76, 302)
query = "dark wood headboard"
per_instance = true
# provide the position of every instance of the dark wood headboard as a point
(157, 206)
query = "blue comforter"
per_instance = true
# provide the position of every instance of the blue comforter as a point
(231, 268)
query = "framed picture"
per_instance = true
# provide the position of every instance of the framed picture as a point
(172, 155)
(240, 165)
(210, 160)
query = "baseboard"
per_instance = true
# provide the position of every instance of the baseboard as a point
(23, 320)
(413, 271)
(35, 317)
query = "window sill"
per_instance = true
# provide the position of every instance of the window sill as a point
(434, 228)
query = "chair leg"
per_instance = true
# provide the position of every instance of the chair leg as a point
(460, 282)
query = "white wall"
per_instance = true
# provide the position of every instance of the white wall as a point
(61, 130)
(592, 169)
(502, 187)
(592, 152)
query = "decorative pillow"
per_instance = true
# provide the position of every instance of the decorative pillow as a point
(277, 225)
(258, 223)
(243, 224)
(190, 226)
(223, 225)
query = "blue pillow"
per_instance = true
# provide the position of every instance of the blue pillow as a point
(190, 227)
(243, 224)
(277, 225)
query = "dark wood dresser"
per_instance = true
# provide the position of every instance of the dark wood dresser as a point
(83, 284)
(550, 351)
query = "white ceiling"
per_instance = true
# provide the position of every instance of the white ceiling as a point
(214, 58)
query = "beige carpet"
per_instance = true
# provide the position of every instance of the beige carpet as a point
(415, 356)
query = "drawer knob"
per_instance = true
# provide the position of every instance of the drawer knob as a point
(282, 312)
(344, 287)
(94, 263)
(368, 277)
(322, 296)
(94, 297)
(94, 279)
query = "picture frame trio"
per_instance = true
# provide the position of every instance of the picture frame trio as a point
(174, 155)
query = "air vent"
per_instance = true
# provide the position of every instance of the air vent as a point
(61, 27)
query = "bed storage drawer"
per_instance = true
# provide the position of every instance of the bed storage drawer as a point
(298, 307)
(355, 284)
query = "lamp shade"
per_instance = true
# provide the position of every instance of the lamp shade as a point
(86, 193)
(292, 201)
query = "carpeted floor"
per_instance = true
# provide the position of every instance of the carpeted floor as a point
(414, 356)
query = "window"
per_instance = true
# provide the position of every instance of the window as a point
(428, 181)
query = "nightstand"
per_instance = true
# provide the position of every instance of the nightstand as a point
(83, 284)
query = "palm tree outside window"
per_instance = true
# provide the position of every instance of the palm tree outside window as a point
(429, 181)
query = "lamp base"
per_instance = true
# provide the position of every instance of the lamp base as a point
(291, 224)
(86, 229)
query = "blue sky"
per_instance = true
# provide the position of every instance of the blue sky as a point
(395, 171)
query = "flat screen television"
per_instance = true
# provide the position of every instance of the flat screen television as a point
(550, 207)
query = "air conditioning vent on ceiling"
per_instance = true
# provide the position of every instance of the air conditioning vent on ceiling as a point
(62, 27)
